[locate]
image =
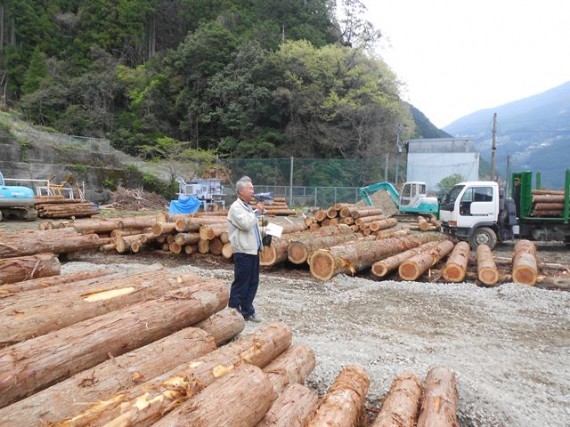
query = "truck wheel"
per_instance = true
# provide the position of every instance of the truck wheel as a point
(483, 235)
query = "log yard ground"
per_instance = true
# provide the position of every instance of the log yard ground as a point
(509, 345)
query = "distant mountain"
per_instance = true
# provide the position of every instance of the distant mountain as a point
(532, 134)
(425, 128)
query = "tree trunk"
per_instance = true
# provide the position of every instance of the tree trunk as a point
(216, 246)
(382, 224)
(187, 238)
(279, 249)
(486, 268)
(125, 243)
(385, 266)
(67, 398)
(227, 250)
(45, 282)
(146, 403)
(241, 398)
(359, 255)
(292, 366)
(455, 268)
(371, 218)
(292, 408)
(343, 404)
(224, 325)
(40, 310)
(439, 402)
(300, 252)
(17, 269)
(525, 269)
(210, 231)
(414, 267)
(37, 363)
(361, 212)
(193, 223)
(401, 405)
(204, 246)
(55, 241)
(160, 228)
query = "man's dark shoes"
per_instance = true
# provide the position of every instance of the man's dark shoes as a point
(253, 318)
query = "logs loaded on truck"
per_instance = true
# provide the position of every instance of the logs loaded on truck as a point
(481, 213)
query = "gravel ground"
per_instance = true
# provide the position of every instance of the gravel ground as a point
(509, 345)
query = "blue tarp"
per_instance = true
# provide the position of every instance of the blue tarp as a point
(184, 206)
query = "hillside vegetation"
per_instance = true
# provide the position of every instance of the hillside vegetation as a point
(200, 79)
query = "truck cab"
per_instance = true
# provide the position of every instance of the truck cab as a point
(474, 211)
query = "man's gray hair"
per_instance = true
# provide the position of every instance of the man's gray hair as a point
(240, 185)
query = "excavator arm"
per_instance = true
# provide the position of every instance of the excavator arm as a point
(366, 192)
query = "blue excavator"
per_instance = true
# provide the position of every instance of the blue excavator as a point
(412, 200)
(16, 201)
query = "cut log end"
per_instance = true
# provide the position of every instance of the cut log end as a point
(525, 276)
(297, 253)
(408, 271)
(322, 265)
(453, 273)
(489, 276)
(267, 256)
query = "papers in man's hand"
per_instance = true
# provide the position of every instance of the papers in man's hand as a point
(273, 230)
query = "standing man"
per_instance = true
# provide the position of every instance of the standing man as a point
(245, 238)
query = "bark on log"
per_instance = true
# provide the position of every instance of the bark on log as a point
(189, 223)
(371, 218)
(17, 269)
(548, 198)
(383, 224)
(359, 255)
(28, 285)
(525, 268)
(386, 234)
(203, 246)
(39, 312)
(147, 402)
(227, 250)
(216, 246)
(125, 243)
(385, 266)
(223, 326)
(211, 231)
(55, 241)
(292, 366)
(160, 228)
(187, 238)
(300, 252)
(455, 267)
(401, 405)
(439, 402)
(486, 268)
(292, 408)
(37, 363)
(343, 404)
(359, 213)
(241, 398)
(549, 206)
(414, 267)
(67, 398)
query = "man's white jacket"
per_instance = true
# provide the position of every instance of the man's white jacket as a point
(242, 226)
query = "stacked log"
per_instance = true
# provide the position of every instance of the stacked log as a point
(359, 255)
(60, 207)
(277, 207)
(525, 266)
(547, 203)
(414, 267)
(487, 272)
(385, 266)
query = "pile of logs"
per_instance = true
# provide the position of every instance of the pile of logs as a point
(547, 203)
(276, 207)
(163, 349)
(61, 207)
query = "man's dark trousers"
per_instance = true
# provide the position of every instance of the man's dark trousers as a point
(246, 281)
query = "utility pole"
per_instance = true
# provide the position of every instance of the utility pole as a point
(494, 147)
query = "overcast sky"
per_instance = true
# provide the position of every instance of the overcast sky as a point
(456, 57)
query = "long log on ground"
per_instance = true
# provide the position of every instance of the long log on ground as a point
(455, 267)
(290, 367)
(401, 405)
(292, 408)
(525, 268)
(98, 226)
(45, 282)
(385, 266)
(17, 269)
(149, 401)
(362, 212)
(241, 398)
(343, 404)
(40, 311)
(301, 252)
(69, 397)
(37, 363)
(549, 206)
(55, 241)
(279, 249)
(386, 234)
(224, 325)
(359, 255)
(439, 402)
(414, 267)
(486, 268)
(296, 249)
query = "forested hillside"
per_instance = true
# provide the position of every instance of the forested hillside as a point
(204, 78)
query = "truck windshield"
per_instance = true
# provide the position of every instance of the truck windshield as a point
(452, 194)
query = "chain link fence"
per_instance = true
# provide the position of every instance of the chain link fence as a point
(315, 182)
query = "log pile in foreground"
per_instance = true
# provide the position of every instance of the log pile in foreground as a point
(171, 359)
